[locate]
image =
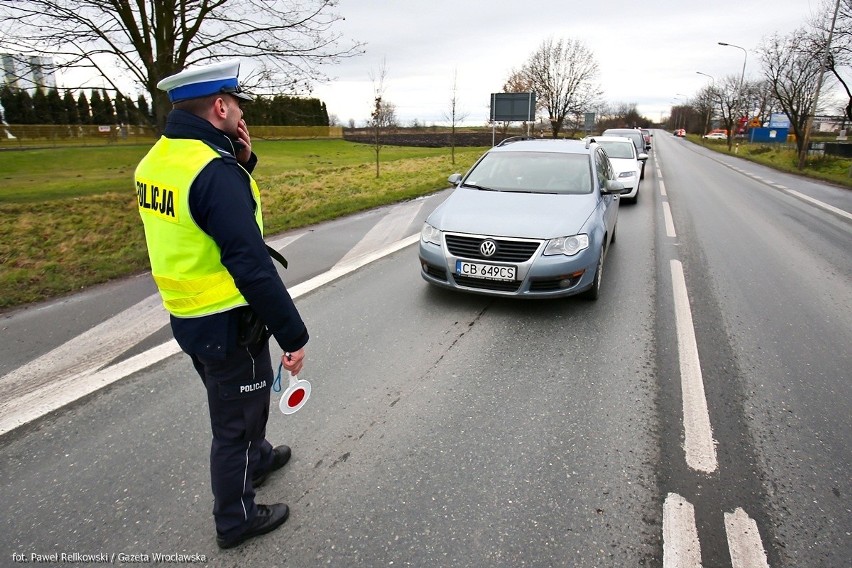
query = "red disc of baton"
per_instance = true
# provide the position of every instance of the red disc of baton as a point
(295, 396)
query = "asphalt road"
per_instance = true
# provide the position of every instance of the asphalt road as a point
(447, 429)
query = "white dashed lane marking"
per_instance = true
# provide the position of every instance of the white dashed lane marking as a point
(744, 542)
(698, 435)
(681, 547)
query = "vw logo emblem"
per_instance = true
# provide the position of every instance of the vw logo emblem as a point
(488, 248)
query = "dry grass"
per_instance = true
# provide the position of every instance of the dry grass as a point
(64, 226)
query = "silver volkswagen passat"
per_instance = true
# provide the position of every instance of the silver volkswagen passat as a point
(532, 218)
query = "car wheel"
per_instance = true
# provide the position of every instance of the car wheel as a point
(593, 293)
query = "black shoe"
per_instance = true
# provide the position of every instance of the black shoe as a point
(280, 456)
(269, 518)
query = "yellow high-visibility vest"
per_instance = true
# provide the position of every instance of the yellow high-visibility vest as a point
(185, 261)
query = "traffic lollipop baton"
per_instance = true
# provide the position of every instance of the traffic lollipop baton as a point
(295, 395)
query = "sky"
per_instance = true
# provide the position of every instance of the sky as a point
(648, 52)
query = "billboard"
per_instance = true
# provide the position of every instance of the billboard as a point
(508, 107)
(779, 120)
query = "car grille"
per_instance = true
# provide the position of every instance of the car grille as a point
(481, 284)
(507, 250)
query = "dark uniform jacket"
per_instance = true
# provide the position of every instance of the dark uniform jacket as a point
(221, 203)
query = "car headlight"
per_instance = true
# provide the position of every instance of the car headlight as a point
(627, 174)
(430, 234)
(569, 246)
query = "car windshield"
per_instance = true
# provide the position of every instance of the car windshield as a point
(618, 149)
(532, 172)
(634, 135)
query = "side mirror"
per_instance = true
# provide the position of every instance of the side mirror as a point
(642, 157)
(455, 179)
(613, 186)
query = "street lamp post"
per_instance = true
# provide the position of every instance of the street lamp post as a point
(745, 58)
(742, 75)
(675, 118)
(709, 107)
(683, 111)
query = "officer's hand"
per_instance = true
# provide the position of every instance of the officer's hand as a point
(292, 361)
(244, 154)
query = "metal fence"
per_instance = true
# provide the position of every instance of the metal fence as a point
(22, 135)
(29, 135)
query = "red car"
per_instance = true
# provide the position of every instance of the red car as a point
(680, 132)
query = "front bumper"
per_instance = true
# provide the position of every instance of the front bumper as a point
(538, 276)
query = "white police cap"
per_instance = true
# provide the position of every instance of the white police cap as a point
(203, 81)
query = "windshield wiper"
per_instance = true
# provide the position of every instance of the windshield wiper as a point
(480, 187)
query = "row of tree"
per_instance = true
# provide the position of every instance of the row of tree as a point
(48, 107)
(286, 111)
(795, 68)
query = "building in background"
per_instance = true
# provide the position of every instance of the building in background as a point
(28, 71)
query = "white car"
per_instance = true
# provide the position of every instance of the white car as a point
(625, 161)
(716, 136)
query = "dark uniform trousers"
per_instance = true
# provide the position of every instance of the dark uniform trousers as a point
(238, 394)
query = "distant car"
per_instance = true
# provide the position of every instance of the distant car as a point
(636, 136)
(648, 135)
(531, 219)
(716, 136)
(680, 133)
(627, 163)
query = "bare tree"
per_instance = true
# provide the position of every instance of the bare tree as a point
(839, 61)
(728, 94)
(763, 100)
(792, 70)
(383, 114)
(561, 74)
(455, 116)
(146, 40)
(705, 103)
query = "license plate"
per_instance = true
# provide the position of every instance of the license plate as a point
(486, 271)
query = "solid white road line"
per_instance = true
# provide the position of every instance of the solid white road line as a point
(820, 204)
(744, 542)
(681, 548)
(669, 221)
(698, 436)
(354, 264)
(662, 188)
(793, 192)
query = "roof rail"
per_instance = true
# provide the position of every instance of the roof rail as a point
(513, 139)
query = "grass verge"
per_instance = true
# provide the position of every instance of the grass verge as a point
(69, 217)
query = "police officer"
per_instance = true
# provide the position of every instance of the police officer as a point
(204, 230)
